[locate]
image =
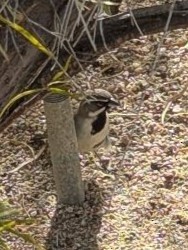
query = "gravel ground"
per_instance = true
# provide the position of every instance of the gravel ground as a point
(137, 194)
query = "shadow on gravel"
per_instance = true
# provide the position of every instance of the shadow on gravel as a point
(74, 227)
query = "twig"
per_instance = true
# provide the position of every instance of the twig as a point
(23, 164)
(102, 35)
(174, 98)
(164, 36)
(135, 22)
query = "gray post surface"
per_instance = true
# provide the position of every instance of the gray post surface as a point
(64, 149)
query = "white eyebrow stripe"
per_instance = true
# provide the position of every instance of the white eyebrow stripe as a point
(99, 100)
(95, 99)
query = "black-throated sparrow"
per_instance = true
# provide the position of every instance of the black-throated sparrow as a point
(92, 121)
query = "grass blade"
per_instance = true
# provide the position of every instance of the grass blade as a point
(27, 237)
(17, 97)
(25, 33)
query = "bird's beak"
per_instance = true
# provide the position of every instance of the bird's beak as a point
(113, 103)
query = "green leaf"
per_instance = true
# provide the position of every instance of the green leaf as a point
(6, 225)
(57, 83)
(17, 97)
(59, 74)
(27, 238)
(58, 91)
(9, 225)
(25, 33)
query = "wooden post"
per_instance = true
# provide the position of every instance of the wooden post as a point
(64, 149)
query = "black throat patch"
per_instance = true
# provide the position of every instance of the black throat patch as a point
(99, 123)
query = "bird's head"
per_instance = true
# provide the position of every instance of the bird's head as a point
(97, 101)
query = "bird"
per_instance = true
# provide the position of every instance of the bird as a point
(92, 120)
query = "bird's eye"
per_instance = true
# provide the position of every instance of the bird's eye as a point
(100, 104)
